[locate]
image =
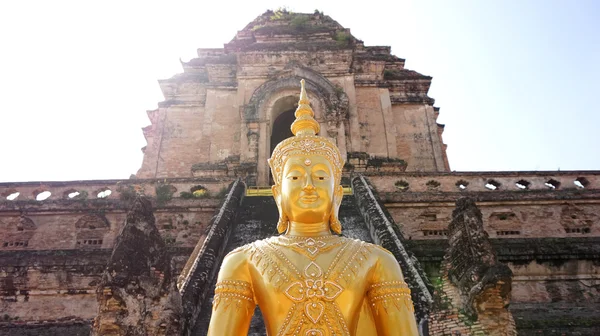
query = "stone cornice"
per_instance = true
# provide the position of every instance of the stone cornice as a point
(519, 249)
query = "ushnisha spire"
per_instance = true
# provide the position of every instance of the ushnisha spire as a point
(305, 123)
(305, 142)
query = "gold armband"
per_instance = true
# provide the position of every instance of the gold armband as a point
(390, 294)
(233, 292)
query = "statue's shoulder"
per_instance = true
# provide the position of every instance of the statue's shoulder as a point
(377, 249)
(380, 253)
(250, 247)
(240, 251)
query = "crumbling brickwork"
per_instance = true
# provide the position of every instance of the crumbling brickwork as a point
(218, 115)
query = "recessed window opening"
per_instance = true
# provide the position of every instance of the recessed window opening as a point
(508, 233)
(13, 196)
(23, 243)
(73, 194)
(104, 193)
(552, 184)
(492, 185)
(432, 184)
(199, 191)
(522, 184)
(402, 185)
(581, 182)
(578, 230)
(43, 195)
(462, 184)
(439, 233)
(90, 242)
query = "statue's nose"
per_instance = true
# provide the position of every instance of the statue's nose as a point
(308, 186)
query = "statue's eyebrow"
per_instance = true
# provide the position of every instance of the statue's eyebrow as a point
(295, 167)
(321, 167)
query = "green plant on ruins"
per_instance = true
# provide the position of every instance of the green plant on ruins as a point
(440, 300)
(164, 193)
(299, 21)
(129, 192)
(198, 191)
(342, 38)
(279, 14)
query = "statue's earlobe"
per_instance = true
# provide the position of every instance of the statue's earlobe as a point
(334, 222)
(282, 223)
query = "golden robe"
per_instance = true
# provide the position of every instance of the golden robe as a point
(312, 286)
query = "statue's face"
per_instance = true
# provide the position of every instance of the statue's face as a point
(307, 189)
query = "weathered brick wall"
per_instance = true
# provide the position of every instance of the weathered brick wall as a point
(446, 318)
(58, 231)
(422, 203)
(415, 141)
(371, 122)
(202, 118)
(182, 142)
(49, 285)
(53, 251)
(506, 220)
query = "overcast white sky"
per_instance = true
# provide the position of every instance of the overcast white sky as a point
(516, 81)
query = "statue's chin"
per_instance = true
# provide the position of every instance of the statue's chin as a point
(309, 217)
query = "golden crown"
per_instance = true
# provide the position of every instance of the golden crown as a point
(305, 142)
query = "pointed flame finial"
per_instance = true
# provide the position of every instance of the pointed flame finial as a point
(305, 123)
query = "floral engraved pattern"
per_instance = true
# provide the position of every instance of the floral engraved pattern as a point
(314, 332)
(313, 287)
(307, 145)
(311, 245)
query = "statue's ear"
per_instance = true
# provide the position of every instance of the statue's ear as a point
(282, 223)
(334, 222)
(338, 195)
(277, 196)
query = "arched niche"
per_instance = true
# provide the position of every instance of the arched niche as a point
(92, 222)
(17, 233)
(278, 97)
(91, 231)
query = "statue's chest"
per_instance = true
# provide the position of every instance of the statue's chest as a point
(312, 284)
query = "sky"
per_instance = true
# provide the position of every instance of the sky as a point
(516, 81)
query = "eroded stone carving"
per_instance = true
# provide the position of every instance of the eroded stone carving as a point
(484, 284)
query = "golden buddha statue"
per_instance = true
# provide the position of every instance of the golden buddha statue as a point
(309, 281)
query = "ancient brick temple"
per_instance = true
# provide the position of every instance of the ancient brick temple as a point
(484, 253)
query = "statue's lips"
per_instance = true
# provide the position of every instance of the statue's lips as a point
(309, 198)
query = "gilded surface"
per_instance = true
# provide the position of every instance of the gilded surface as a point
(308, 281)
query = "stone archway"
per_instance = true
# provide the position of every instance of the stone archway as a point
(274, 97)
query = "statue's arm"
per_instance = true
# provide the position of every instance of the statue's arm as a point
(233, 304)
(389, 298)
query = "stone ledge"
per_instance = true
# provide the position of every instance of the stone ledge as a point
(518, 249)
(556, 318)
(490, 196)
(66, 258)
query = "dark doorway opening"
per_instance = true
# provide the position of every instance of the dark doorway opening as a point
(281, 131)
(281, 128)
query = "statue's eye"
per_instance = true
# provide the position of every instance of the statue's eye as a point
(294, 178)
(321, 178)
